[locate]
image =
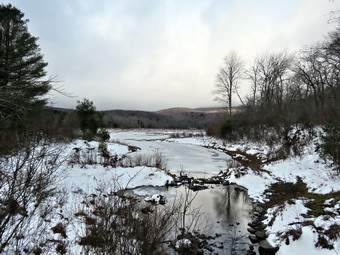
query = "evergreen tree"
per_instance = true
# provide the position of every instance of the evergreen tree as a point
(22, 70)
(88, 118)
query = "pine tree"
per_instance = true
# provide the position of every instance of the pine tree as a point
(22, 70)
(89, 119)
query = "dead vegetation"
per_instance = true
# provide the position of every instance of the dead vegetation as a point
(27, 181)
(116, 222)
(93, 156)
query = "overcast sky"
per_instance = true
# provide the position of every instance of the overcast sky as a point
(156, 54)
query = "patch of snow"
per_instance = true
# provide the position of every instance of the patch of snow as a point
(121, 177)
(252, 151)
(183, 242)
(305, 245)
(325, 221)
(289, 217)
(310, 168)
(329, 201)
(154, 198)
(283, 218)
(188, 140)
(255, 184)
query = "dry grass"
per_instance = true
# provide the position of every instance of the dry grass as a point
(153, 160)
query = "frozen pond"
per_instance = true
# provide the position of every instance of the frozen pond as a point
(193, 159)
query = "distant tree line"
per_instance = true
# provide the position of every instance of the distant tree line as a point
(143, 119)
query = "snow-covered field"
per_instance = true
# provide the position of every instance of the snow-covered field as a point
(198, 155)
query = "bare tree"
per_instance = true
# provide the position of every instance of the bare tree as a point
(319, 71)
(253, 75)
(270, 76)
(228, 77)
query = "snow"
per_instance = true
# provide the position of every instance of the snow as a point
(154, 198)
(255, 184)
(252, 151)
(187, 140)
(121, 177)
(305, 245)
(310, 168)
(325, 222)
(188, 154)
(290, 213)
(290, 218)
(183, 242)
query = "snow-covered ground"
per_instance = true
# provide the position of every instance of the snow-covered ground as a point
(191, 154)
(124, 177)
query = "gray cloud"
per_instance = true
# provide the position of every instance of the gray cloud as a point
(152, 54)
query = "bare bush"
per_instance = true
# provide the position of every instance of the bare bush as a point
(117, 223)
(93, 156)
(27, 180)
(190, 217)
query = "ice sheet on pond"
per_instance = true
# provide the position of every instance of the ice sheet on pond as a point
(192, 159)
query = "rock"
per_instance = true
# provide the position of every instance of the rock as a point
(263, 226)
(266, 248)
(212, 181)
(261, 235)
(251, 230)
(209, 248)
(199, 251)
(226, 183)
(197, 187)
(253, 239)
(264, 217)
(256, 214)
(259, 226)
(252, 224)
(172, 183)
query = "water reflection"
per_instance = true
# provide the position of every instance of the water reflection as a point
(225, 205)
(225, 209)
(232, 206)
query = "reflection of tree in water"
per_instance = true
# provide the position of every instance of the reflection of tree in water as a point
(231, 205)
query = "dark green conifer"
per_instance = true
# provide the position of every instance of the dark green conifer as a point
(23, 82)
